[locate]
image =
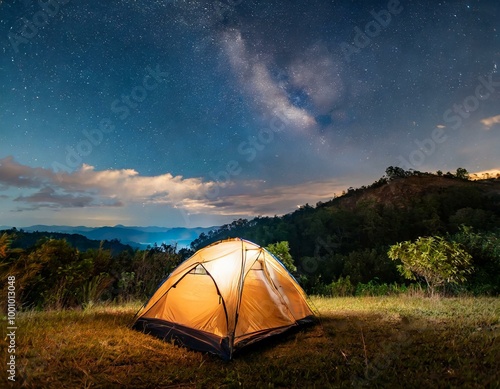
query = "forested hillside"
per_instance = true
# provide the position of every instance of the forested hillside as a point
(349, 236)
(53, 270)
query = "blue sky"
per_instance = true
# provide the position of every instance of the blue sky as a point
(187, 113)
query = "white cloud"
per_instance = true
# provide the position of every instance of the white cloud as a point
(129, 185)
(491, 121)
(88, 187)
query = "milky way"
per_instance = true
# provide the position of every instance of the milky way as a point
(198, 112)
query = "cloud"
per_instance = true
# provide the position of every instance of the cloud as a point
(128, 184)
(90, 190)
(267, 200)
(48, 196)
(491, 121)
(17, 175)
(485, 174)
(87, 187)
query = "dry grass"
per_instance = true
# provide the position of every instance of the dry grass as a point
(361, 342)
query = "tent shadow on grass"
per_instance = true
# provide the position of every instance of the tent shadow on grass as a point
(282, 339)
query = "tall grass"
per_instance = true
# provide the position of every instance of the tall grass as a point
(94, 288)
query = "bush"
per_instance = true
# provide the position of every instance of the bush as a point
(342, 287)
(434, 259)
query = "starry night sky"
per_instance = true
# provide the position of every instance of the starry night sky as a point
(188, 113)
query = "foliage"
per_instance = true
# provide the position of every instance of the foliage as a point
(26, 240)
(54, 274)
(127, 284)
(345, 238)
(94, 288)
(281, 250)
(462, 173)
(350, 234)
(5, 242)
(434, 259)
(152, 266)
(472, 217)
(62, 274)
(394, 172)
(342, 287)
(485, 249)
(374, 288)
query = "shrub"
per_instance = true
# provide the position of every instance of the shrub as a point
(342, 287)
(434, 259)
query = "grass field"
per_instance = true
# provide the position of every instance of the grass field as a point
(361, 342)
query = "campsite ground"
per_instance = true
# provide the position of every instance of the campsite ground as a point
(360, 342)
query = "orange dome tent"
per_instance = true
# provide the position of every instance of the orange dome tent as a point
(227, 295)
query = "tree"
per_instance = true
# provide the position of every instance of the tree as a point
(393, 172)
(485, 249)
(151, 266)
(462, 173)
(281, 250)
(434, 259)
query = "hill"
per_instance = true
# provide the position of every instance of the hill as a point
(350, 234)
(402, 191)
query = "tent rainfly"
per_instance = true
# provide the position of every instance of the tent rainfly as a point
(227, 295)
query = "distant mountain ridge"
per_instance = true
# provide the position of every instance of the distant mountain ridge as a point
(134, 236)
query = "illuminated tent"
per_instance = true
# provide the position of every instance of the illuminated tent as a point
(226, 296)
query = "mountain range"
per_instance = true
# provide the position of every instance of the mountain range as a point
(134, 236)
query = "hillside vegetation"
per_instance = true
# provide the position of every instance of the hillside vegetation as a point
(53, 273)
(349, 236)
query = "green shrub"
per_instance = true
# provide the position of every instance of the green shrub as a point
(342, 287)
